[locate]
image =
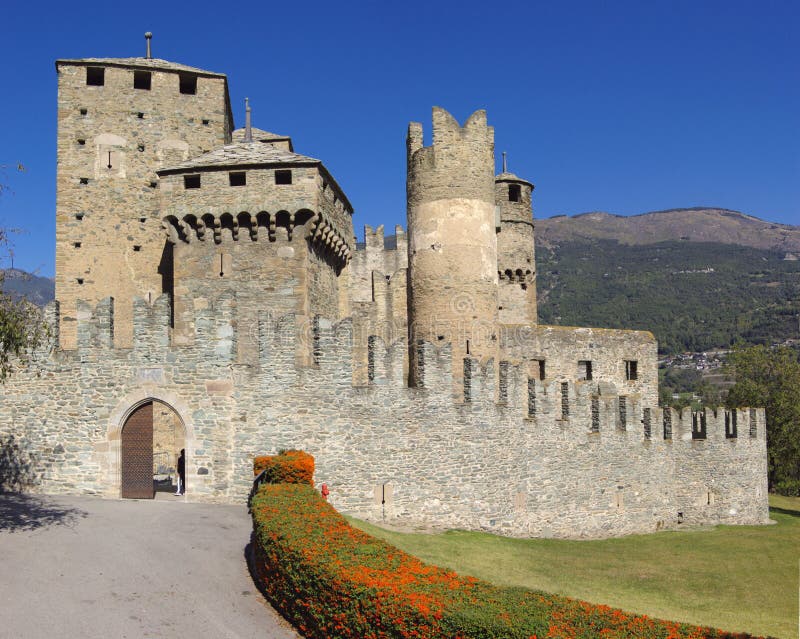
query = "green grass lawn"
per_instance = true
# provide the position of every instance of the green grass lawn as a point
(738, 578)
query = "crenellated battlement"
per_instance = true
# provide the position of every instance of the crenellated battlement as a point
(316, 228)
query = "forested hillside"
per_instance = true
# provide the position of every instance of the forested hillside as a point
(693, 296)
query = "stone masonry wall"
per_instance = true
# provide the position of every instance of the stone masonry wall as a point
(522, 465)
(108, 228)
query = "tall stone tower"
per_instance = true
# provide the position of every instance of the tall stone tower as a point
(119, 120)
(516, 264)
(452, 243)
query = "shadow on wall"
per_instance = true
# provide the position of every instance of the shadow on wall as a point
(17, 467)
(19, 511)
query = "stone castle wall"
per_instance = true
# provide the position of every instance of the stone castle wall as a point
(544, 458)
(141, 130)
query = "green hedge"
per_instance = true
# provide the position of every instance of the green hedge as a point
(287, 467)
(334, 582)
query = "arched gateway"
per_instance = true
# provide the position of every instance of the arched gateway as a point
(151, 439)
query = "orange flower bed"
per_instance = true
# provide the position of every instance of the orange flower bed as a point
(336, 582)
(287, 467)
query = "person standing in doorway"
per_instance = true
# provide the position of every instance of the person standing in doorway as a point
(181, 473)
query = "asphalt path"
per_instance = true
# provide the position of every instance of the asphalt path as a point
(86, 567)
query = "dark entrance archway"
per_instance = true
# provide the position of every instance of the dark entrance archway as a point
(137, 453)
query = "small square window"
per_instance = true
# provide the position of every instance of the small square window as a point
(141, 148)
(239, 178)
(81, 141)
(84, 111)
(205, 122)
(76, 244)
(143, 220)
(95, 76)
(514, 193)
(283, 177)
(191, 181)
(141, 80)
(80, 280)
(137, 247)
(84, 180)
(79, 216)
(140, 115)
(631, 370)
(188, 84)
(153, 185)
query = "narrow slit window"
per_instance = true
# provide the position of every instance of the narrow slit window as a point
(631, 370)
(188, 84)
(283, 177)
(237, 178)
(141, 80)
(542, 370)
(191, 181)
(95, 76)
(514, 193)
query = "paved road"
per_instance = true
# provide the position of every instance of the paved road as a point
(85, 567)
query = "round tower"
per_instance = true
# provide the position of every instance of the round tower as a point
(516, 263)
(452, 244)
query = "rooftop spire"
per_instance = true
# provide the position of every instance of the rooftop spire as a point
(148, 36)
(248, 129)
(505, 167)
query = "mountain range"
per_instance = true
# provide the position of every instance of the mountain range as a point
(698, 278)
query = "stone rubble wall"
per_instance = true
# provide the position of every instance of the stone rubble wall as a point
(503, 456)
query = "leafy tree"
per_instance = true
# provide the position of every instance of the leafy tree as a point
(770, 377)
(21, 326)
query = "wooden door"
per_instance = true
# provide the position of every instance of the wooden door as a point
(137, 454)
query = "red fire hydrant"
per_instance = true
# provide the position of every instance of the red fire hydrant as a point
(324, 490)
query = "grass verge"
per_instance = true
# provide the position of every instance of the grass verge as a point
(739, 578)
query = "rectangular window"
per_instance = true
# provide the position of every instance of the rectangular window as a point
(188, 84)
(141, 80)
(95, 76)
(514, 193)
(541, 369)
(191, 181)
(584, 370)
(283, 177)
(631, 370)
(531, 397)
(238, 178)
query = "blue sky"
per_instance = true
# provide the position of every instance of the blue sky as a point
(624, 107)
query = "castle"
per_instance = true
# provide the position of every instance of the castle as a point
(212, 296)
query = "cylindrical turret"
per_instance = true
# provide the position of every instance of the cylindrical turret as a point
(452, 243)
(516, 263)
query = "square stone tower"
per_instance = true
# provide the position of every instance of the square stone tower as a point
(119, 120)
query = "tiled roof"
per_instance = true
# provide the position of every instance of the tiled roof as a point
(149, 63)
(259, 135)
(241, 154)
(510, 177)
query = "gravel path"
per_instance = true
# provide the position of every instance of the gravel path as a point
(86, 567)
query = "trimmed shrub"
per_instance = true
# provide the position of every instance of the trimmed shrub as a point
(287, 467)
(335, 582)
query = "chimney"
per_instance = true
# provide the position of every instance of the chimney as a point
(148, 36)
